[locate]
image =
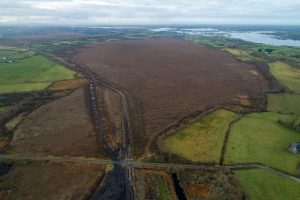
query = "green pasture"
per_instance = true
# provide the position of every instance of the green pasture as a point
(260, 184)
(202, 140)
(287, 75)
(284, 103)
(26, 71)
(260, 138)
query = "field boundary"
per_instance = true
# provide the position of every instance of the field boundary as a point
(136, 164)
(224, 147)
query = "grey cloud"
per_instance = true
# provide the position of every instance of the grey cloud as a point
(149, 11)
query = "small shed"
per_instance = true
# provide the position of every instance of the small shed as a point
(295, 147)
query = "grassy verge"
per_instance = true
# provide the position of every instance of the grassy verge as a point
(259, 184)
(284, 103)
(4, 108)
(162, 188)
(259, 137)
(287, 75)
(243, 55)
(202, 140)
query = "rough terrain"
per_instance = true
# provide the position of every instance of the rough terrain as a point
(167, 80)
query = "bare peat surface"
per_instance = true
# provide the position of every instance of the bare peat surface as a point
(62, 127)
(167, 80)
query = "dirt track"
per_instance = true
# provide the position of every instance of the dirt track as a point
(168, 80)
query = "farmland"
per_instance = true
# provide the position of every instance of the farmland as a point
(159, 74)
(59, 132)
(63, 180)
(157, 108)
(259, 138)
(155, 184)
(203, 139)
(287, 75)
(242, 54)
(23, 70)
(284, 103)
(248, 51)
(67, 85)
(4, 108)
(259, 184)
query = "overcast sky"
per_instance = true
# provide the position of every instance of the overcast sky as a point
(130, 12)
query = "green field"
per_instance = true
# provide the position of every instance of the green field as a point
(24, 71)
(259, 138)
(203, 139)
(284, 103)
(287, 75)
(163, 192)
(260, 184)
(243, 55)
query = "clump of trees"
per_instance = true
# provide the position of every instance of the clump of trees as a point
(268, 50)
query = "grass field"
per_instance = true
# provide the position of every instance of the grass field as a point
(24, 71)
(284, 103)
(243, 55)
(287, 75)
(260, 184)
(163, 192)
(258, 137)
(202, 140)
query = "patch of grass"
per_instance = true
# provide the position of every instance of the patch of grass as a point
(260, 184)
(14, 122)
(162, 188)
(4, 108)
(23, 87)
(260, 138)
(202, 140)
(284, 103)
(11, 48)
(69, 84)
(64, 42)
(25, 71)
(243, 55)
(287, 75)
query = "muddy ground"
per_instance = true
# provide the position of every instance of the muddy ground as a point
(112, 121)
(153, 184)
(210, 184)
(50, 180)
(62, 127)
(167, 80)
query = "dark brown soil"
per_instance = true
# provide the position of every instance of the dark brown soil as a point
(62, 127)
(167, 80)
(50, 180)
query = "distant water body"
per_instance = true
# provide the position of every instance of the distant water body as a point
(263, 37)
